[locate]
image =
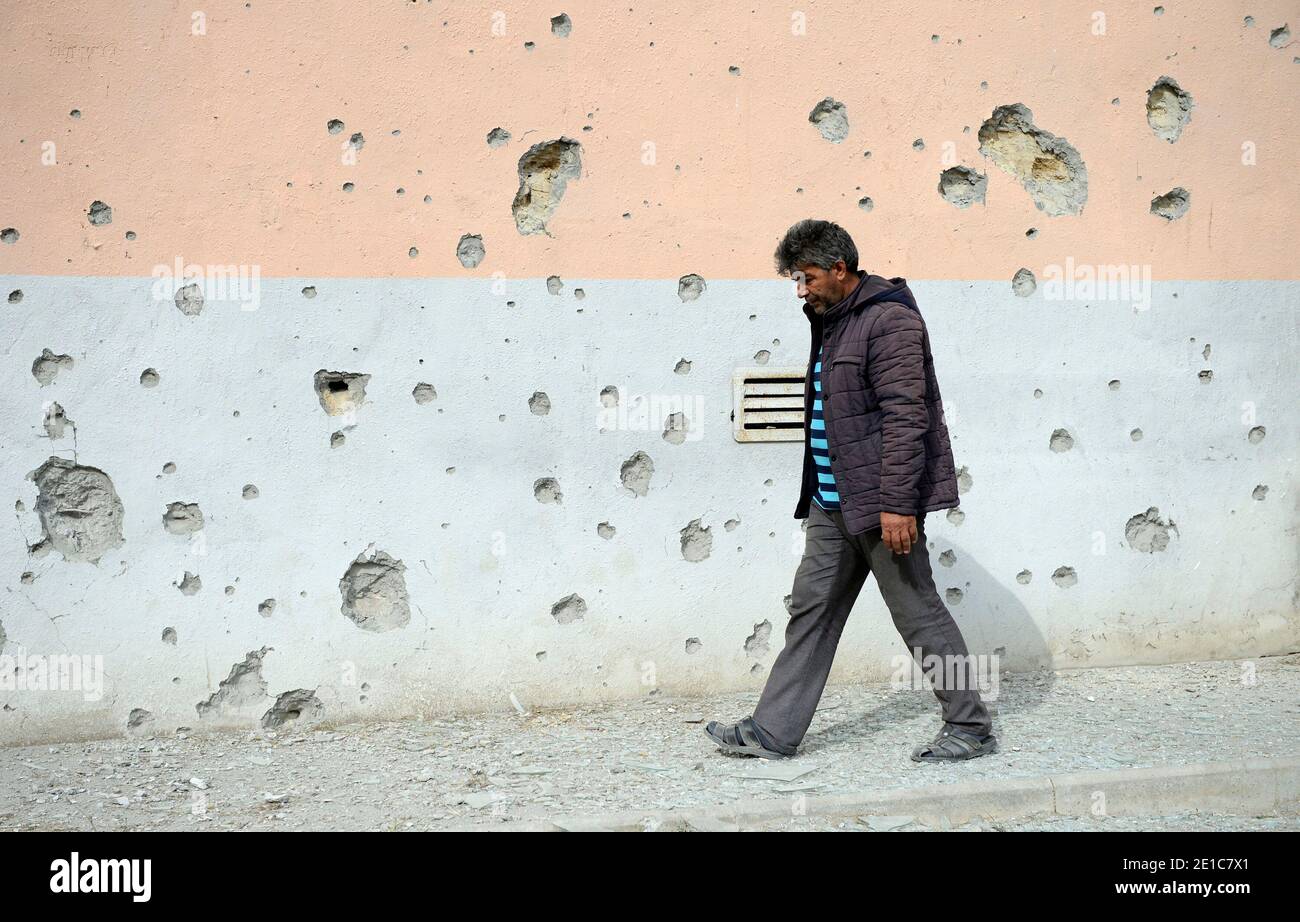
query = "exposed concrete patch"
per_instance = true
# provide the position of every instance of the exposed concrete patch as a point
(334, 126)
(756, 644)
(1064, 577)
(56, 420)
(962, 186)
(1023, 283)
(48, 365)
(99, 214)
(569, 609)
(547, 490)
(244, 686)
(139, 722)
(298, 707)
(690, 287)
(340, 392)
(1049, 167)
(1061, 440)
(189, 300)
(606, 530)
(374, 592)
(1172, 205)
(675, 428)
(1147, 532)
(964, 480)
(79, 510)
(182, 518)
(470, 250)
(554, 285)
(498, 137)
(561, 25)
(831, 119)
(544, 172)
(1169, 109)
(190, 583)
(697, 541)
(424, 393)
(539, 404)
(636, 472)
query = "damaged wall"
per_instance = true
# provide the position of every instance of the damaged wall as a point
(329, 398)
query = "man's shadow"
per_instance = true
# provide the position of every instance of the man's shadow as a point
(997, 628)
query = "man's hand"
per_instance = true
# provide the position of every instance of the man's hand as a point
(898, 531)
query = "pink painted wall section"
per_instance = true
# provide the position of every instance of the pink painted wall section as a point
(193, 140)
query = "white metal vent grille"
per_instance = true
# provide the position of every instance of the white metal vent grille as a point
(767, 404)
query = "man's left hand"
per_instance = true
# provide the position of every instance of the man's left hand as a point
(898, 531)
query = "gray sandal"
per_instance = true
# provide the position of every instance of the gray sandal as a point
(953, 745)
(745, 738)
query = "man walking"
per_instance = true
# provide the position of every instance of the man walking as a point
(876, 459)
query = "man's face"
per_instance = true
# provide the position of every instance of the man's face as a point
(820, 288)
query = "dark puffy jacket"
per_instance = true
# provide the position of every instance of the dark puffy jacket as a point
(885, 430)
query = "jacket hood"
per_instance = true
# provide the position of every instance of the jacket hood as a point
(870, 289)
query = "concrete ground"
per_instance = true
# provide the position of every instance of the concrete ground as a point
(506, 770)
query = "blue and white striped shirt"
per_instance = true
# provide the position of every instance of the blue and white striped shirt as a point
(826, 496)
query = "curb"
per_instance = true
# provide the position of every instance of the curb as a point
(1259, 785)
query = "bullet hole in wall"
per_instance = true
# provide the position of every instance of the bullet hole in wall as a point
(79, 510)
(961, 186)
(1169, 109)
(690, 287)
(1172, 205)
(569, 609)
(189, 300)
(544, 173)
(696, 541)
(1148, 532)
(831, 119)
(1047, 166)
(374, 592)
(47, 366)
(242, 687)
(470, 250)
(636, 473)
(547, 490)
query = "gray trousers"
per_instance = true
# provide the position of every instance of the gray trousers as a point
(834, 567)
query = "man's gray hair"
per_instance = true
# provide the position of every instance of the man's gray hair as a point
(815, 243)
